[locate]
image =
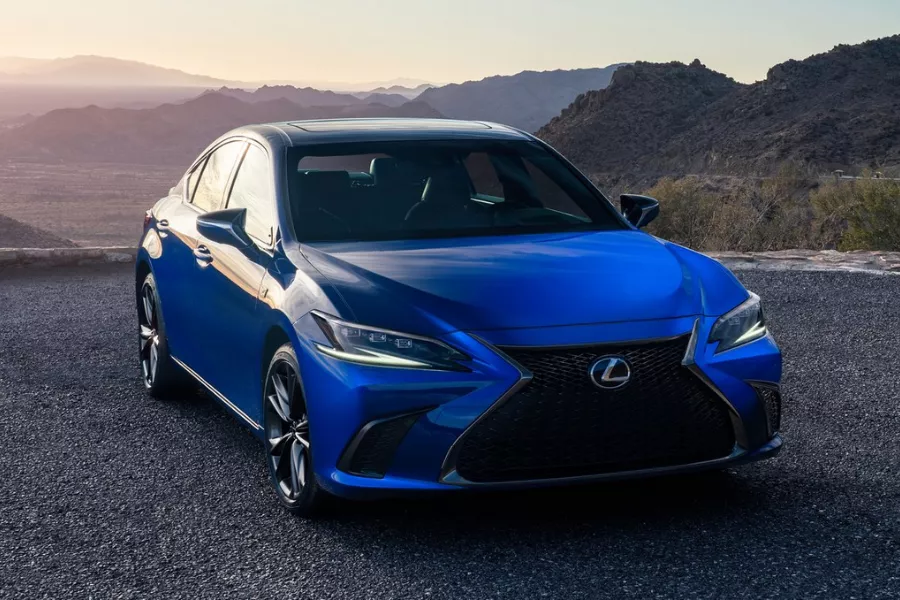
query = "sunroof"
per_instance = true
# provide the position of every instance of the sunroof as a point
(388, 124)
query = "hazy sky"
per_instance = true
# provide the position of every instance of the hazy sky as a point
(437, 40)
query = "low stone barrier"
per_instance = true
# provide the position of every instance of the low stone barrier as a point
(64, 257)
(812, 260)
(782, 260)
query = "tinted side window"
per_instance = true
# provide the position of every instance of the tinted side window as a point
(210, 191)
(252, 190)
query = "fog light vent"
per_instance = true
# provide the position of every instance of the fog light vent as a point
(770, 397)
(371, 452)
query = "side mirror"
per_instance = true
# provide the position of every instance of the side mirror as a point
(225, 227)
(639, 210)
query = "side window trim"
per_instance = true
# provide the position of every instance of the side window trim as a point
(264, 244)
(203, 162)
(191, 186)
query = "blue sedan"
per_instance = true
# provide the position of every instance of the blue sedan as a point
(396, 306)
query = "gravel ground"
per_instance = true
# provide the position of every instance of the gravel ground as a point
(107, 494)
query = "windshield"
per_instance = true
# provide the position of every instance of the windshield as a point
(407, 190)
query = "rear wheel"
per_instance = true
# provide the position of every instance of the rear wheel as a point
(159, 372)
(288, 448)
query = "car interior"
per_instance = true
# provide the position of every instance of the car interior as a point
(399, 196)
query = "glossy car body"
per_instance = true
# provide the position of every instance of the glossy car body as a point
(589, 294)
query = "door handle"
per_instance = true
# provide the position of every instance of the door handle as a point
(201, 253)
(162, 226)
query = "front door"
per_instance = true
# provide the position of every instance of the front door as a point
(233, 332)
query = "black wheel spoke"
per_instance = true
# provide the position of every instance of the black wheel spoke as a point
(298, 464)
(277, 406)
(278, 444)
(148, 334)
(148, 306)
(287, 431)
(154, 359)
(282, 398)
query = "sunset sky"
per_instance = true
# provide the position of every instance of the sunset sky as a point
(437, 40)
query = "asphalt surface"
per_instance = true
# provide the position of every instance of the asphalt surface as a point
(107, 494)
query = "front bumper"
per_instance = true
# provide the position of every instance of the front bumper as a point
(428, 412)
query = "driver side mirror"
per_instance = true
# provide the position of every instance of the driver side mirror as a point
(639, 210)
(225, 227)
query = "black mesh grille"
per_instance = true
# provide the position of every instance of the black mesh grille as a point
(372, 452)
(771, 400)
(562, 425)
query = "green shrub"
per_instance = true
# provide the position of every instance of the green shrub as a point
(734, 213)
(862, 214)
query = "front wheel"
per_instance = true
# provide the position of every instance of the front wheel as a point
(288, 448)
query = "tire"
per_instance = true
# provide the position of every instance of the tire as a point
(287, 437)
(160, 374)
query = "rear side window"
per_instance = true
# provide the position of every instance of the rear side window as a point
(253, 190)
(210, 192)
(191, 182)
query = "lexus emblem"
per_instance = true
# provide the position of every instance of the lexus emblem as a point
(610, 372)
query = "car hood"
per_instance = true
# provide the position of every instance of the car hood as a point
(524, 281)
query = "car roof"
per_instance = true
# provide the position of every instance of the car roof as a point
(301, 133)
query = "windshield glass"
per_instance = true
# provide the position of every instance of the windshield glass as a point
(406, 190)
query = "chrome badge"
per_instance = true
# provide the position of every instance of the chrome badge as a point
(610, 372)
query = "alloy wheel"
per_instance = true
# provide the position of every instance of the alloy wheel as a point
(149, 334)
(287, 431)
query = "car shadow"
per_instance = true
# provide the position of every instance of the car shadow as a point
(663, 500)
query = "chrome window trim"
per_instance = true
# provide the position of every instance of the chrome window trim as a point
(219, 396)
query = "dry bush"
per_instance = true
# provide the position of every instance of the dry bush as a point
(738, 214)
(859, 215)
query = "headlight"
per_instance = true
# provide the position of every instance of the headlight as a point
(740, 326)
(381, 347)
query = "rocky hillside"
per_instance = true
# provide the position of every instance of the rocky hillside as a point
(840, 109)
(171, 134)
(527, 100)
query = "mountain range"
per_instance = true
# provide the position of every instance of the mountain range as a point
(839, 109)
(636, 122)
(176, 131)
(527, 100)
(97, 71)
(171, 134)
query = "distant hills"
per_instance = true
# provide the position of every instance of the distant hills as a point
(527, 100)
(839, 109)
(97, 71)
(303, 96)
(405, 91)
(171, 134)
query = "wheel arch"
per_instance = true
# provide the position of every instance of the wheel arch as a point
(276, 337)
(141, 270)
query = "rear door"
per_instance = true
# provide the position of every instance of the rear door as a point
(187, 321)
(176, 226)
(233, 333)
